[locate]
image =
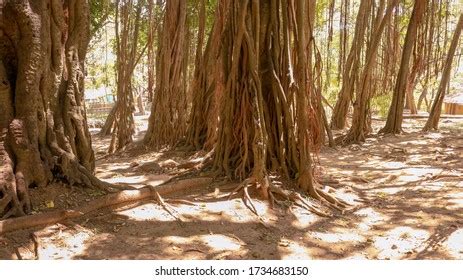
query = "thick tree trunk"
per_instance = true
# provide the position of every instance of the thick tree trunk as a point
(44, 132)
(108, 124)
(167, 122)
(208, 87)
(395, 116)
(268, 119)
(434, 116)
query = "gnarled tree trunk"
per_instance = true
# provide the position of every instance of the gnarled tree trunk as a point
(268, 119)
(127, 33)
(169, 109)
(208, 86)
(44, 132)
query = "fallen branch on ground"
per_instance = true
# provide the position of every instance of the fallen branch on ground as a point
(102, 202)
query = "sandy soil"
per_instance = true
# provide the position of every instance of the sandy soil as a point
(406, 190)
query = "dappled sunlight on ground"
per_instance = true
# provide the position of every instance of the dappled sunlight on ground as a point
(454, 244)
(406, 194)
(293, 251)
(399, 241)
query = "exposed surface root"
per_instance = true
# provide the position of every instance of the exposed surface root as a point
(274, 194)
(243, 190)
(102, 202)
(170, 210)
(328, 199)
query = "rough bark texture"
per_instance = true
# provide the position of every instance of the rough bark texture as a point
(44, 133)
(167, 122)
(127, 34)
(208, 87)
(268, 120)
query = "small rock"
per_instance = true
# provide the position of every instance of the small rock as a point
(394, 247)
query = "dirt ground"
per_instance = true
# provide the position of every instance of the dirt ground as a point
(406, 192)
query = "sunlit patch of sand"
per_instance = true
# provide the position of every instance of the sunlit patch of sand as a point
(429, 186)
(62, 244)
(370, 217)
(416, 174)
(337, 237)
(349, 197)
(292, 250)
(455, 199)
(357, 256)
(220, 242)
(140, 180)
(202, 245)
(454, 244)
(392, 164)
(400, 241)
(303, 218)
(147, 212)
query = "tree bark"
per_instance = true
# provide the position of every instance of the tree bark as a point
(360, 127)
(167, 122)
(395, 115)
(268, 119)
(208, 86)
(127, 37)
(44, 132)
(351, 68)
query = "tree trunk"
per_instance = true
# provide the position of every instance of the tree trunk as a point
(268, 119)
(360, 127)
(169, 109)
(351, 68)
(395, 116)
(434, 116)
(109, 122)
(127, 34)
(44, 132)
(207, 86)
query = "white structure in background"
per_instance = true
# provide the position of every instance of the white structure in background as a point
(99, 95)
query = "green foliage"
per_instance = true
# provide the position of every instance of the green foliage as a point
(100, 11)
(380, 104)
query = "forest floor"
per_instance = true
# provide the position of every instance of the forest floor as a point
(407, 192)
